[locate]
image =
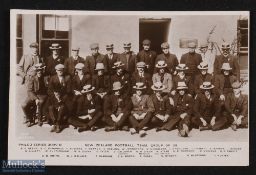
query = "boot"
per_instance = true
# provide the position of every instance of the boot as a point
(125, 128)
(110, 128)
(84, 128)
(142, 133)
(94, 128)
(203, 128)
(58, 129)
(53, 128)
(133, 131)
(233, 127)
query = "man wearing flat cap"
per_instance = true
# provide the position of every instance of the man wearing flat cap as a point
(111, 57)
(141, 76)
(236, 105)
(147, 56)
(192, 60)
(227, 57)
(117, 107)
(93, 59)
(25, 66)
(72, 61)
(54, 59)
(128, 58)
(37, 95)
(170, 59)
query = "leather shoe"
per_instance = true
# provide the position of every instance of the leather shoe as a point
(233, 127)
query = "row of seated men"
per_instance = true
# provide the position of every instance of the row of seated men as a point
(163, 101)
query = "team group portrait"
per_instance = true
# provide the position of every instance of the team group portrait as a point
(160, 78)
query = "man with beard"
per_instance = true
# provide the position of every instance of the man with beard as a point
(192, 60)
(147, 56)
(96, 57)
(111, 58)
(169, 58)
(207, 110)
(226, 57)
(117, 107)
(141, 113)
(128, 58)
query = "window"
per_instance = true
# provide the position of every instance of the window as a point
(54, 29)
(19, 38)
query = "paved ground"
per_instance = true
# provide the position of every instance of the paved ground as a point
(69, 134)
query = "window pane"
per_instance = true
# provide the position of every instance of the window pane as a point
(19, 43)
(19, 52)
(62, 27)
(19, 26)
(49, 26)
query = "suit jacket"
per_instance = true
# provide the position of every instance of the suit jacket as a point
(35, 88)
(200, 108)
(96, 82)
(233, 62)
(125, 81)
(149, 57)
(219, 81)
(161, 107)
(167, 81)
(111, 104)
(192, 61)
(187, 80)
(142, 106)
(51, 63)
(237, 106)
(170, 59)
(84, 105)
(186, 106)
(131, 64)
(91, 61)
(199, 79)
(147, 80)
(26, 64)
(78, 84)
(70, 64)
(54, 84)
(110, 63)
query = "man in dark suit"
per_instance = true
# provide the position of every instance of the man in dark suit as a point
(236, 105)
(169, 58)
(207, 110)
(161, 105)
(192, 60)
(202, 77)
(54, 59)
(141, 76)
(89, 110)
(101, 80)
(37, 95)
(143, 108)
(226, 57)
(92, 60)
(128, 58)
(72, 61)
(111, 58)
(223, 82)
(117, 108)
(182, 105)
(25, 66)
(121, 76)
(147, 56)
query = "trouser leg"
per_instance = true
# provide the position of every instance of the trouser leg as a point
(122, 120)
(185, 120)
(156, 122)
(171, 123)
(145, 121)
(219, 123)
(244, 122)
(60, 115)
(77, 122)
(196, 122)
(133, 121)
(95, 118)
(108, 120)
(52, 114)
(26, 105)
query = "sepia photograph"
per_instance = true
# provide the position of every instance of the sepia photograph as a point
(132, 77)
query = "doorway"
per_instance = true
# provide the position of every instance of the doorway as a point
(156, 30)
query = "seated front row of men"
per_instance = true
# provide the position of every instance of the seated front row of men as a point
(166, 103)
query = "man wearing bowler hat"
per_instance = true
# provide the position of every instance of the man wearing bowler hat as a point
(182, 108)
(227, 57)
(93, 59)
(111, 57)
(202, 77)
(89, 110)
(147, 56)
(117, 108)
(37, 95)
(169, 58)
(142, 110)
(72, 61)
(128, 58)
(207, 109)
(25, 66)
(236, 105)
(54, 59)
(192, 60)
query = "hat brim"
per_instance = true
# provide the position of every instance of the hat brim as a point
(182, 68)
(202, 68)
(181, 88)
(153, 88)
(164, 66)
(204, 88)
(55, 48)
(226, 69)
(87, 91)
(41, 68)
(115, 67)
(139, 88)
(117, 88)
(99, 69)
